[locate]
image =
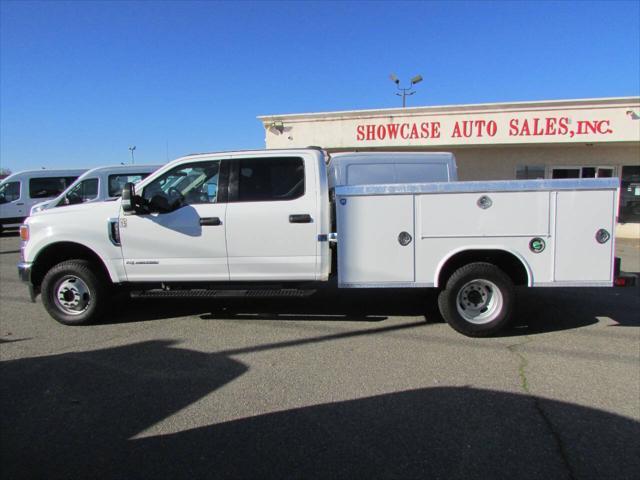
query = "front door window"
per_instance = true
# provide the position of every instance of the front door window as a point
(190, 184)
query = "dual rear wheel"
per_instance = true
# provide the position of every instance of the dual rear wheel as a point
(477, 300)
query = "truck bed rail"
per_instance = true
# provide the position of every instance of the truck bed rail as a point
(480, 186)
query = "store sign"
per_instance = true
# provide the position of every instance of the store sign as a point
(481, 128)
(430, 127)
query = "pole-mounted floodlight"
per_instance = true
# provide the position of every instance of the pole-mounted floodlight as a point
(131, 149)
(405, 91)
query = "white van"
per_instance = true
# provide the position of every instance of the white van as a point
(97, 185)
(20, 191)
(384, 168)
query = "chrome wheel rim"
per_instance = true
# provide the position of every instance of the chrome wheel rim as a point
(479, 301)
(72, 295)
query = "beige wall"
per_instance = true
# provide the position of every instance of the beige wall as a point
(499, 163)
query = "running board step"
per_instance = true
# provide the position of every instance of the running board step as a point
(204, 293)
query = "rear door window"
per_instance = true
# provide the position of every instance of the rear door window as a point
(269, 179)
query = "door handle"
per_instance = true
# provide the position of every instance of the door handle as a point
(205, 221)
(301, 218)
(20, 203)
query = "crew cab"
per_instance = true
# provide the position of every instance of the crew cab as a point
(282, 222)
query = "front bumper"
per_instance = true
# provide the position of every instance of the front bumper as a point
(24, 272)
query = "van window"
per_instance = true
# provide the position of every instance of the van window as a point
(117, 181)
(9, 192)
(46, 187)
(83, 192)
(272, 179)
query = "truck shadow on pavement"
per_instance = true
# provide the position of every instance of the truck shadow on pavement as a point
(363, 306)
(537, 310)
(81, 415)
(542, 310)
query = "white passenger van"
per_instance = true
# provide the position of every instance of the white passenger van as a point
(97, 185)
(20, 191)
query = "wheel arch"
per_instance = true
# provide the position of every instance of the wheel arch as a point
(512, 263)
(60, 251)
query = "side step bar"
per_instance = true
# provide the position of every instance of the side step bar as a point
(205, 293)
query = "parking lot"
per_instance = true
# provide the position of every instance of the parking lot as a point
(356, 384)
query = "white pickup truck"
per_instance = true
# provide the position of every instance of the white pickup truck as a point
(280, 222)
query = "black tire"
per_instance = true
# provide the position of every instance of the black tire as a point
(478, 300)
(75, 282)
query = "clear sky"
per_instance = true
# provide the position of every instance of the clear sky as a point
(81, 81)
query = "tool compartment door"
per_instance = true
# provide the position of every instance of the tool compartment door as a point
(579, 257)
(369, 250)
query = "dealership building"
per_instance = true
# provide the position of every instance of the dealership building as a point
(582, 138)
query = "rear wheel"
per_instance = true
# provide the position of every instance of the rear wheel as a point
(478, 300)
(73, 294)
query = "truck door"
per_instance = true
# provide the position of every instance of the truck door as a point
(272, 219)
(182, 237)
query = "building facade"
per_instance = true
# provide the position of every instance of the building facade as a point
(498, 141)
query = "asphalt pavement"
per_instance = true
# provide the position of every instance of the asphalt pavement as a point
(347, 384)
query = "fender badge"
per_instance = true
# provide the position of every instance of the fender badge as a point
(537, 245)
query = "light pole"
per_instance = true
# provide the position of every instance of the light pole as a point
(405, 91)
(131, 149)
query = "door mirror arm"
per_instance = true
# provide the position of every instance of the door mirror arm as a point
(128, 194)
(140, 205)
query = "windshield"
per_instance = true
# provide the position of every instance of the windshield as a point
(81, 192)
(118, 181)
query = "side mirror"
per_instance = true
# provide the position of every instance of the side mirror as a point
(127, 198)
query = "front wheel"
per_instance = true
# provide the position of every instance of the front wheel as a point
(73, 294)
(478, 300)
